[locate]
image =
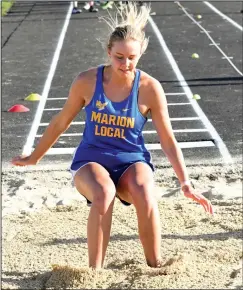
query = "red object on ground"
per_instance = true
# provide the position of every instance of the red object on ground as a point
(18, 109)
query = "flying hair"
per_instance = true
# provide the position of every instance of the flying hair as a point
(128, 23)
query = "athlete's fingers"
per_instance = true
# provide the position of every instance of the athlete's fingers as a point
(208, 206)
(196, 198)
(204, 202)
(211, 208)
(19, 161)
(15, 160)
(205, 208)
(203, 205)
(201, 200)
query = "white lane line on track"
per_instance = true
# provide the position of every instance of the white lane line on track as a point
(178, 104)
(144, 132)
(149, 120)
(226, 57)
(185, 119)
(174, 94)
(223, 15)
(54, 99)
(168, 94)
(204, 31)
(73, 123)
(34, 128)
(169, 104)
(219, 142)
(53, 109)
(59, 151)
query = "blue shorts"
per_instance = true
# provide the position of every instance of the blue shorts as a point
(115, 163)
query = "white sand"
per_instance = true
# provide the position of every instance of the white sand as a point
(206, 251)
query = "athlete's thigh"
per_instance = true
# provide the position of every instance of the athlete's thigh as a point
(138, 175)
(92, 179)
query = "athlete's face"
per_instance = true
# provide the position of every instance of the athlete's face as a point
(124, 56)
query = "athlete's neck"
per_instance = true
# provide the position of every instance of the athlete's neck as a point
(112, 78)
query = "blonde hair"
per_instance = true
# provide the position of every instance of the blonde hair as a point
(128, 24)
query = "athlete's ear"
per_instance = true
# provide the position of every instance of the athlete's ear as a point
(109, 52)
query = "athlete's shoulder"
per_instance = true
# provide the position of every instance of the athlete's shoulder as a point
(149, 83)
(84, 84)
(87, 75)
(86, 80)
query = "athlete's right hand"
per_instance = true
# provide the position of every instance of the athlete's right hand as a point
(23, 161)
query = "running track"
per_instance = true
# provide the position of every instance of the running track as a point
(44, 47)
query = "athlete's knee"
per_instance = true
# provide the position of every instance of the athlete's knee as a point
(103, 196)
(142, 194)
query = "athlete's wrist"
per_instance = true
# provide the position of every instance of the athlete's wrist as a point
(187, 186)
(34, 159)
(186, 182)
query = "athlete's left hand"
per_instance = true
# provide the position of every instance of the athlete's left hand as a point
(189, 192)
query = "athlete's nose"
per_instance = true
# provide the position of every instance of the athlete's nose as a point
(126, 63)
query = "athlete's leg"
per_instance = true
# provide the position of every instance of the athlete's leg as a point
(76, 10)
(93, 181)
(138, 182)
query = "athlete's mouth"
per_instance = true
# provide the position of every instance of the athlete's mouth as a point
(125, 71)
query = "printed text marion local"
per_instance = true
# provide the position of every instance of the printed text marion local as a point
(121, 121)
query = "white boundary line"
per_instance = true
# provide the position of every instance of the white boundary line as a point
(174, 94)
(226, 57)
(183, 145)
(219, 142)
(58, 151)
(73, 123)
(52, 109)
(168, 94)
(149, 120)
(54, 99)
(144, 132)
(184, 119)
(169, 104)
(34, 128)
(223, 15)
(178, 104)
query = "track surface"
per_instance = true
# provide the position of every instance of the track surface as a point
(31, 31)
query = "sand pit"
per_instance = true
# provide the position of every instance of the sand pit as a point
(45, 247)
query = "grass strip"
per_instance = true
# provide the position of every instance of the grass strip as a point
(6, 5)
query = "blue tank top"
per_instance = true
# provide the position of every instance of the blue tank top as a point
(114, 126)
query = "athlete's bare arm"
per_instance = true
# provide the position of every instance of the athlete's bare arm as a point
(159, 111)
(79, 95)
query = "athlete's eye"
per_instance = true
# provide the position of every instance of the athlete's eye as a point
(130, 58)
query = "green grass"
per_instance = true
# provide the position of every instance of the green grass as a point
(6, 5)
